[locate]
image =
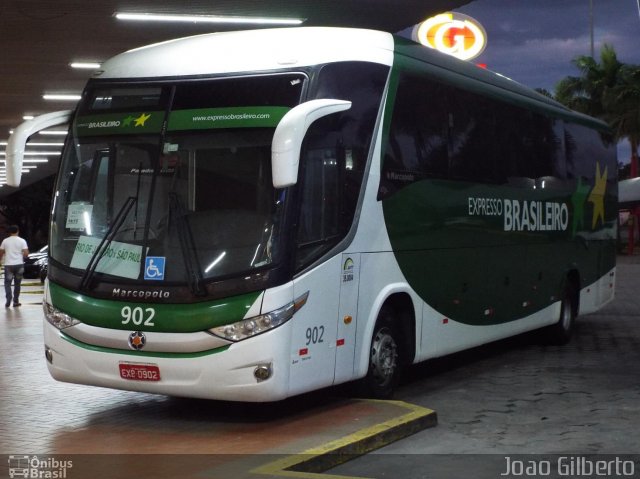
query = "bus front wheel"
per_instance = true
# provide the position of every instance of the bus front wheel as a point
(384, 361)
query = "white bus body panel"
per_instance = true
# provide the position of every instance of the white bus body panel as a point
(595, 296)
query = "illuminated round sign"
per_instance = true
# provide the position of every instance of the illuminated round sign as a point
(452, 33)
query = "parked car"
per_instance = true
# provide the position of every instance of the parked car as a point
(37, 263)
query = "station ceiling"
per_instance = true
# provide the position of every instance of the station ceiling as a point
(40, 38)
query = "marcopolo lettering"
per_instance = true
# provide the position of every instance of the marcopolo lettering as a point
(140, 294)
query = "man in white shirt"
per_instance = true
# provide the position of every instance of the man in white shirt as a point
(14, 250)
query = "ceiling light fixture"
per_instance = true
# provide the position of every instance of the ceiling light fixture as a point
(60, 97)
(150, 17)
(36, 153)
(39, 144)
(28, 117)
(27, 160)
(53, 132)
(85, 65)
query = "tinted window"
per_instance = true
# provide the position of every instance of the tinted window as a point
(472, 137)
(440, 131)
(583, 145)
(418, 142)
(273, 90)
(334, 156)
(102, 100)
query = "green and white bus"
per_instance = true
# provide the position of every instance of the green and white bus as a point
(252, 215)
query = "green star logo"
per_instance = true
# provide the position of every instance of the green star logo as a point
(578, 200)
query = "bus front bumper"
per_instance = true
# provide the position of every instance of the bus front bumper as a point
(228, 373)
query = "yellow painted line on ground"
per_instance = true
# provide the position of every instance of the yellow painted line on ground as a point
(309, 464)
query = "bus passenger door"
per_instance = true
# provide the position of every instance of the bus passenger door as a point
(347, 324)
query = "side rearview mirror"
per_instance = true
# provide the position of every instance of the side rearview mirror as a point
(18, 141)
(289, 134)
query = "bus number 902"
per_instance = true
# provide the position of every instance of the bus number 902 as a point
(314, 335)
(138, 316)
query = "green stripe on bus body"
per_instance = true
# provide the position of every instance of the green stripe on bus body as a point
(235, 117)
(166, 318)
(143, 354)
(471, 268)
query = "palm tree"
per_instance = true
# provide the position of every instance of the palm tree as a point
(622, 103)
(608, 90)
(586, 92)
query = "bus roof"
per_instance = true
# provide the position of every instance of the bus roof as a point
(272, 49)
(251, 50)
(469, 76)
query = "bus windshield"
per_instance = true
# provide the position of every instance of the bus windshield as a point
(152, 188)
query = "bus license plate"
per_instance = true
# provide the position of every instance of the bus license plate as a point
(139, 372)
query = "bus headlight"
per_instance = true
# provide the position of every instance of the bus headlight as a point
(259, 324)
(57, 318)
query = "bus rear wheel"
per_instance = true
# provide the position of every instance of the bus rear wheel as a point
(561, 332)
(384, 357)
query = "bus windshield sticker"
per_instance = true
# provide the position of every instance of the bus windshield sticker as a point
(154, 267)
(120, 259)
(79, 217)
(120, 123)
(236, 117)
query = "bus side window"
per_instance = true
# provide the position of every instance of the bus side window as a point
(417, 144)
(472, 154)
(321, 197)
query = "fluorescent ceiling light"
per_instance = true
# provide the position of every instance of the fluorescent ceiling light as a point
(85, 65)
(35, 153)
(53, 132)
(57, 97)
(27, 160)
(150, 17)
(28, 117)
(40, 144)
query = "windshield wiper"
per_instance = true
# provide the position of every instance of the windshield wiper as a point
(106, 242)
(187, 245)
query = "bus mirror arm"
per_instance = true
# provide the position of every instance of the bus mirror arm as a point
(18, 141)
(289, 135)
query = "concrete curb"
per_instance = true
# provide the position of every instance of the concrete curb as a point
(321, 458)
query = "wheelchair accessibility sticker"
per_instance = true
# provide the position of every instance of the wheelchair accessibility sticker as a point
(154, 267)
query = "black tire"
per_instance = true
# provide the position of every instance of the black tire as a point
(384, 357)
(561, 332)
